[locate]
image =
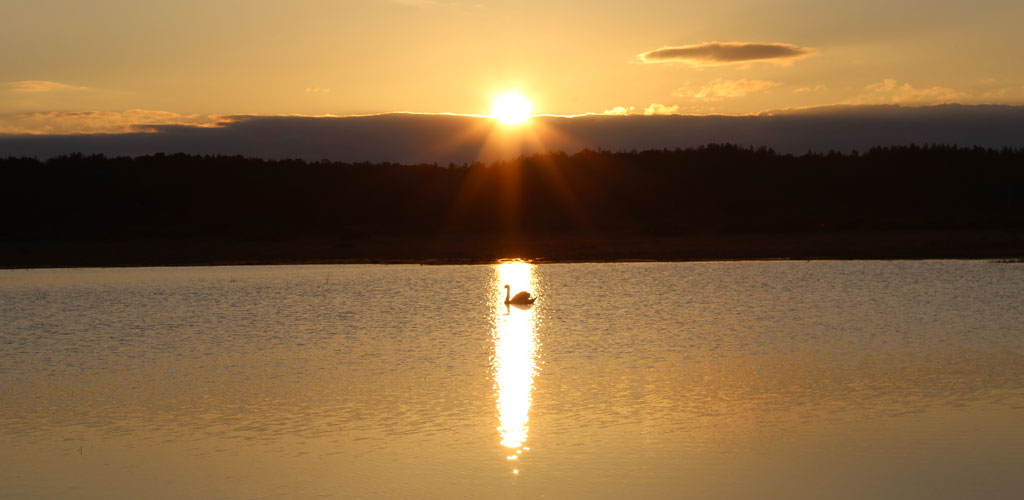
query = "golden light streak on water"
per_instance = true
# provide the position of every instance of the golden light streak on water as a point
(515, 356)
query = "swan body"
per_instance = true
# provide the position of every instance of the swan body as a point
(521, 298)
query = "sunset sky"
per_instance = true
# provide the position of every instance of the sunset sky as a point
(163, 62)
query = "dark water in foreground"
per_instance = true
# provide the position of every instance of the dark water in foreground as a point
(744, 380)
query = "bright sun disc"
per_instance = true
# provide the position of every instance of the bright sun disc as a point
(511, 109)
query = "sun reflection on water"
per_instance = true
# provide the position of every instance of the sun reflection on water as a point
(515, 357)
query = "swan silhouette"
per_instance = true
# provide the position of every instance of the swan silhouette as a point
(521, 298)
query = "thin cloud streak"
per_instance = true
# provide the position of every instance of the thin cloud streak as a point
(619, 111)
(654, 109)
(889, 91)
(661, 109)
(33, 86)
(415, 3)
(721, 88)
(719, 53)
(804, 90)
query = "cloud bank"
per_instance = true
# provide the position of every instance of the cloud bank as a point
(98, 122)
(718, 53)
(410, 138)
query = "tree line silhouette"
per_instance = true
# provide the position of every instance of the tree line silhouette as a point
(712, 190)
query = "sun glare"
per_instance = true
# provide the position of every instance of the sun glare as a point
(511, 108)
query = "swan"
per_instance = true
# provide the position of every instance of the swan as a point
(522, 298)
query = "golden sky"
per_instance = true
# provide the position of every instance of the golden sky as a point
(170, 62)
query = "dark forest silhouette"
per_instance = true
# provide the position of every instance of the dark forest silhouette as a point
(716, 201)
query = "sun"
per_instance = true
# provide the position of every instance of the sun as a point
(511, 108)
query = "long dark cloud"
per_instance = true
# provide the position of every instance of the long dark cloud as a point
(445, 138)
(714, 53)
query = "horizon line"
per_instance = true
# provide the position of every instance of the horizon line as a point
(214, 120)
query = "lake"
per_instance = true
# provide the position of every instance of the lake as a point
(704, 380)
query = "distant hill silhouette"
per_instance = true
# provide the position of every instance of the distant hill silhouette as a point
(716, 201)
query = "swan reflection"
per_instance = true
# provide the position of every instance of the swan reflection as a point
(514, 362)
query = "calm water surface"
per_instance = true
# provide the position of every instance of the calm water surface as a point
(744, 380)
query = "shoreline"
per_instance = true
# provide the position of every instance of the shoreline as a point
(994, 260)
(1007, 246)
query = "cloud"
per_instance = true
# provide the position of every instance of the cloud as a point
(661, 109)
(415, 3)
(619, 111)
(1002, 94)
(99, 122)
(653, 109)
(889, 91)
(720, 89)
(41, 86)
(719, 53)
(317, 90)
(804, 90)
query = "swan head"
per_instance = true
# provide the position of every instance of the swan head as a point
(507, 286)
